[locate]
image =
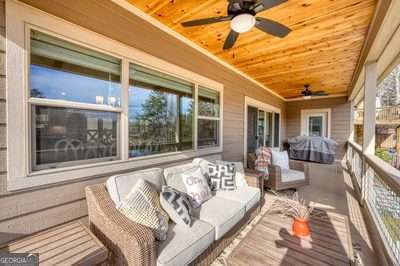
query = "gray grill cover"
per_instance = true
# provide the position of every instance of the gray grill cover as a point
(314, 149)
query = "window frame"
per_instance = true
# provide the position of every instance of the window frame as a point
(19, 102)
(325, 113)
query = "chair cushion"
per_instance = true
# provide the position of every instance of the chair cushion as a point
(119, 186)
(185, 244)
(222, 213)
(281, 159)
(173, 176)
(248, 196)
(289, 175)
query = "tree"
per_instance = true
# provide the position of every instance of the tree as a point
(389, 89)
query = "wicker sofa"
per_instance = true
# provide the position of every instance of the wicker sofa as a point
(216, 224)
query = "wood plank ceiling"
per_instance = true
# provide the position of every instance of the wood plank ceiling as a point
(322, 49)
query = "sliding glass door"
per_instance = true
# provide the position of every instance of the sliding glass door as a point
(262, 128)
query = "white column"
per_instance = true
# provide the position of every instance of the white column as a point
(370, 85)
(124, 144)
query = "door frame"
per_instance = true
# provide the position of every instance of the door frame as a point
(326, 122)
(248, 101)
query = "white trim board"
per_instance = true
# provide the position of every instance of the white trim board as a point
(143, 15)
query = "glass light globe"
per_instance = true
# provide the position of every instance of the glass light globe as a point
(243, 23)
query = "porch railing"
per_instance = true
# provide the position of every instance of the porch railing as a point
(378, 185)
(384, 115)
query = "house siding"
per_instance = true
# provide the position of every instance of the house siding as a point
(29, 211)
(340, 119)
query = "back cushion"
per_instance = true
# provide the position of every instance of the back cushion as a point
(173, 176)
(119, 186)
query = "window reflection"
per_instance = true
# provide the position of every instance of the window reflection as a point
(65, 71)
(66, 135)
(160, 113)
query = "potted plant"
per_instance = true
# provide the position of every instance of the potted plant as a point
(297, 208)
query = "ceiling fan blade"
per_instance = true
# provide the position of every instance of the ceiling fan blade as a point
(319, 93)
(231, 39)
(272, 27)
(204, 21)
(266, 4)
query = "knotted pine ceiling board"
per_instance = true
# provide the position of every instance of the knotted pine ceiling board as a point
(322, 49)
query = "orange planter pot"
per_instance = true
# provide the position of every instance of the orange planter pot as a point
(300, 227)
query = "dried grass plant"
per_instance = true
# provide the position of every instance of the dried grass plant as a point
(292, 206)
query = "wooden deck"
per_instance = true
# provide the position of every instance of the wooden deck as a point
(271, 242)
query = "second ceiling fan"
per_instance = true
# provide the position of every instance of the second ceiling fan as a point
(242, 14)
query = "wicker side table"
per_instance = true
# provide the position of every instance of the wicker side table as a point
(69, 244)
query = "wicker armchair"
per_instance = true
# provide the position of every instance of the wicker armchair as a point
(275, 177)
(130, 243)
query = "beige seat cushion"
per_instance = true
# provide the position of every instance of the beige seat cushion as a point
(222, 213)
(289, 175)
(118, 186)
(184, 244)
(248, 196)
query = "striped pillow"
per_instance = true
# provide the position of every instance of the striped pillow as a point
(142, 206)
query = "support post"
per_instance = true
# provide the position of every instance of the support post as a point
(370, 85)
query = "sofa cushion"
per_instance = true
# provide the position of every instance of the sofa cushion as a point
(173, 176)
(184, 244)
(248, 196)
(119, 186)
(289, 175)
(222, 213)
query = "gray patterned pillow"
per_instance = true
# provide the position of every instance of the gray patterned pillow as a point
(142, 205)
(177, 205)
(222, 176)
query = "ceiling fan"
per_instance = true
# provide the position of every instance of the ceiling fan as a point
(242, 15)
(307, 92)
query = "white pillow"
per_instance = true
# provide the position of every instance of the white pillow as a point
(196, 186)
(281, 159)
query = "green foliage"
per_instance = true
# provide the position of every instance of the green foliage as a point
(383, 154)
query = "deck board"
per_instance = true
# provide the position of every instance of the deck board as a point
(271, 242)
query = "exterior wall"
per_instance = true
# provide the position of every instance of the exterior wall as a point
(25, 212)
(340, 119)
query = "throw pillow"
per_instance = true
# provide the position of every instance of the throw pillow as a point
(177, 205)
(281, 159)
(196, 186)
(240, 177)
(142, 205)
(222, 176)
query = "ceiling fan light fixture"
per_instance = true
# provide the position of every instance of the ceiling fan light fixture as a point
(306, 97)
(243, 23)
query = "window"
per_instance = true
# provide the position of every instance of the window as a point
(76, 108)
(315, 123)
(64, 75)
(208, 117)
(161, 111)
